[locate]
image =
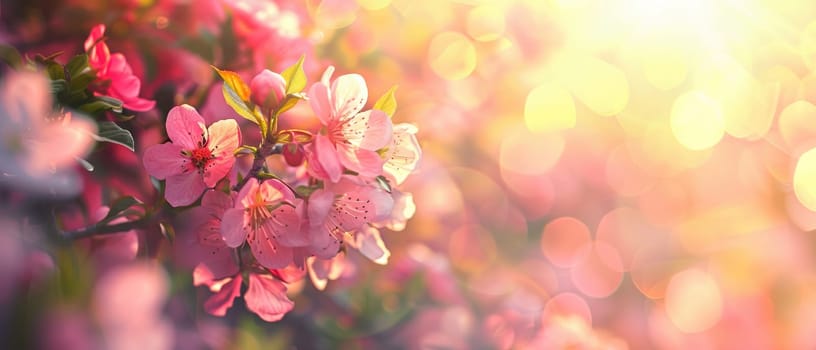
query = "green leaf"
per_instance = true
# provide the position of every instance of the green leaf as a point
(234, 81)
(387, 103)
(102, 103)
(11, 56)
(110, 132)
(119, 206)
(236, 94)
(58, 86)
(80, 82)
(78, 65)
(55, 71)
(245, 149)
(295, 77)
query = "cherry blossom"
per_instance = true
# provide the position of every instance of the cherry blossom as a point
(265, 216)
(340, 210)
(352, 137)
(196, 158)
(114, 69)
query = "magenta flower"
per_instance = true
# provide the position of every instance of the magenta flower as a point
(265, 215)
(196, 158)
(114, 69)
(352, 138)
(342, 209)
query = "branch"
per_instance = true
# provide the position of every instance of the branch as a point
(98, 230)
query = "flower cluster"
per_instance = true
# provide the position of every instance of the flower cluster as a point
(338, 188)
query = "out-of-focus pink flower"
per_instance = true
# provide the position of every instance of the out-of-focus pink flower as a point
(352, 138)
(572, 332)
(403, 154)
(264, 214)
(267, 89)
(128, 305)
(114, 71)
(39, 148)
(343, 208)
(196, 158)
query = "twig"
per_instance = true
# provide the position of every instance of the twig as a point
(98, 230)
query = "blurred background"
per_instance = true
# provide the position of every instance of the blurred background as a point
(596, 174)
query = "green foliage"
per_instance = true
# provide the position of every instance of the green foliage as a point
(111, 132)
(236, 94)
(295, 77)
(387, 103)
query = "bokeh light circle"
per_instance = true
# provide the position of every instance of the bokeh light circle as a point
(563, 241)
(452, 56)
(697, 121)
(693, 301)
(804, 179)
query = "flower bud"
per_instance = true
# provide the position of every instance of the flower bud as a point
(293, 154)
(267, 89)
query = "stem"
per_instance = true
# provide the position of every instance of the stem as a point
(98, 230)
(269, 148)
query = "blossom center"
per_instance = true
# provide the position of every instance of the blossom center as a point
(200, 156)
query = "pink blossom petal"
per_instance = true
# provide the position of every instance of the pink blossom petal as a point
(97, 32)
(225, 137)
(274, 190)
(164, 160)
(287, 225)
(139, 104)
(348, 96)
(266, 297)
(267, 251)
(125, 87)
(323, 270)
(365, 162)
(120, 68)
(218, 303)
(232, 227)
(370, 244)
(325, 244)
(320, 202)
(184, 189)
(404, 153)
(216, 203)
(327, 158)
(319, 101)
(250, 187)
(185, 127)
(369, 130)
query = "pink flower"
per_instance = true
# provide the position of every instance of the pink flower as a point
(39, 147)
(267, 89)
(403, 154)
(352, 138)
(264, 214)
(114, 68)
(218, 271)
(342, 209)
(196, 158)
